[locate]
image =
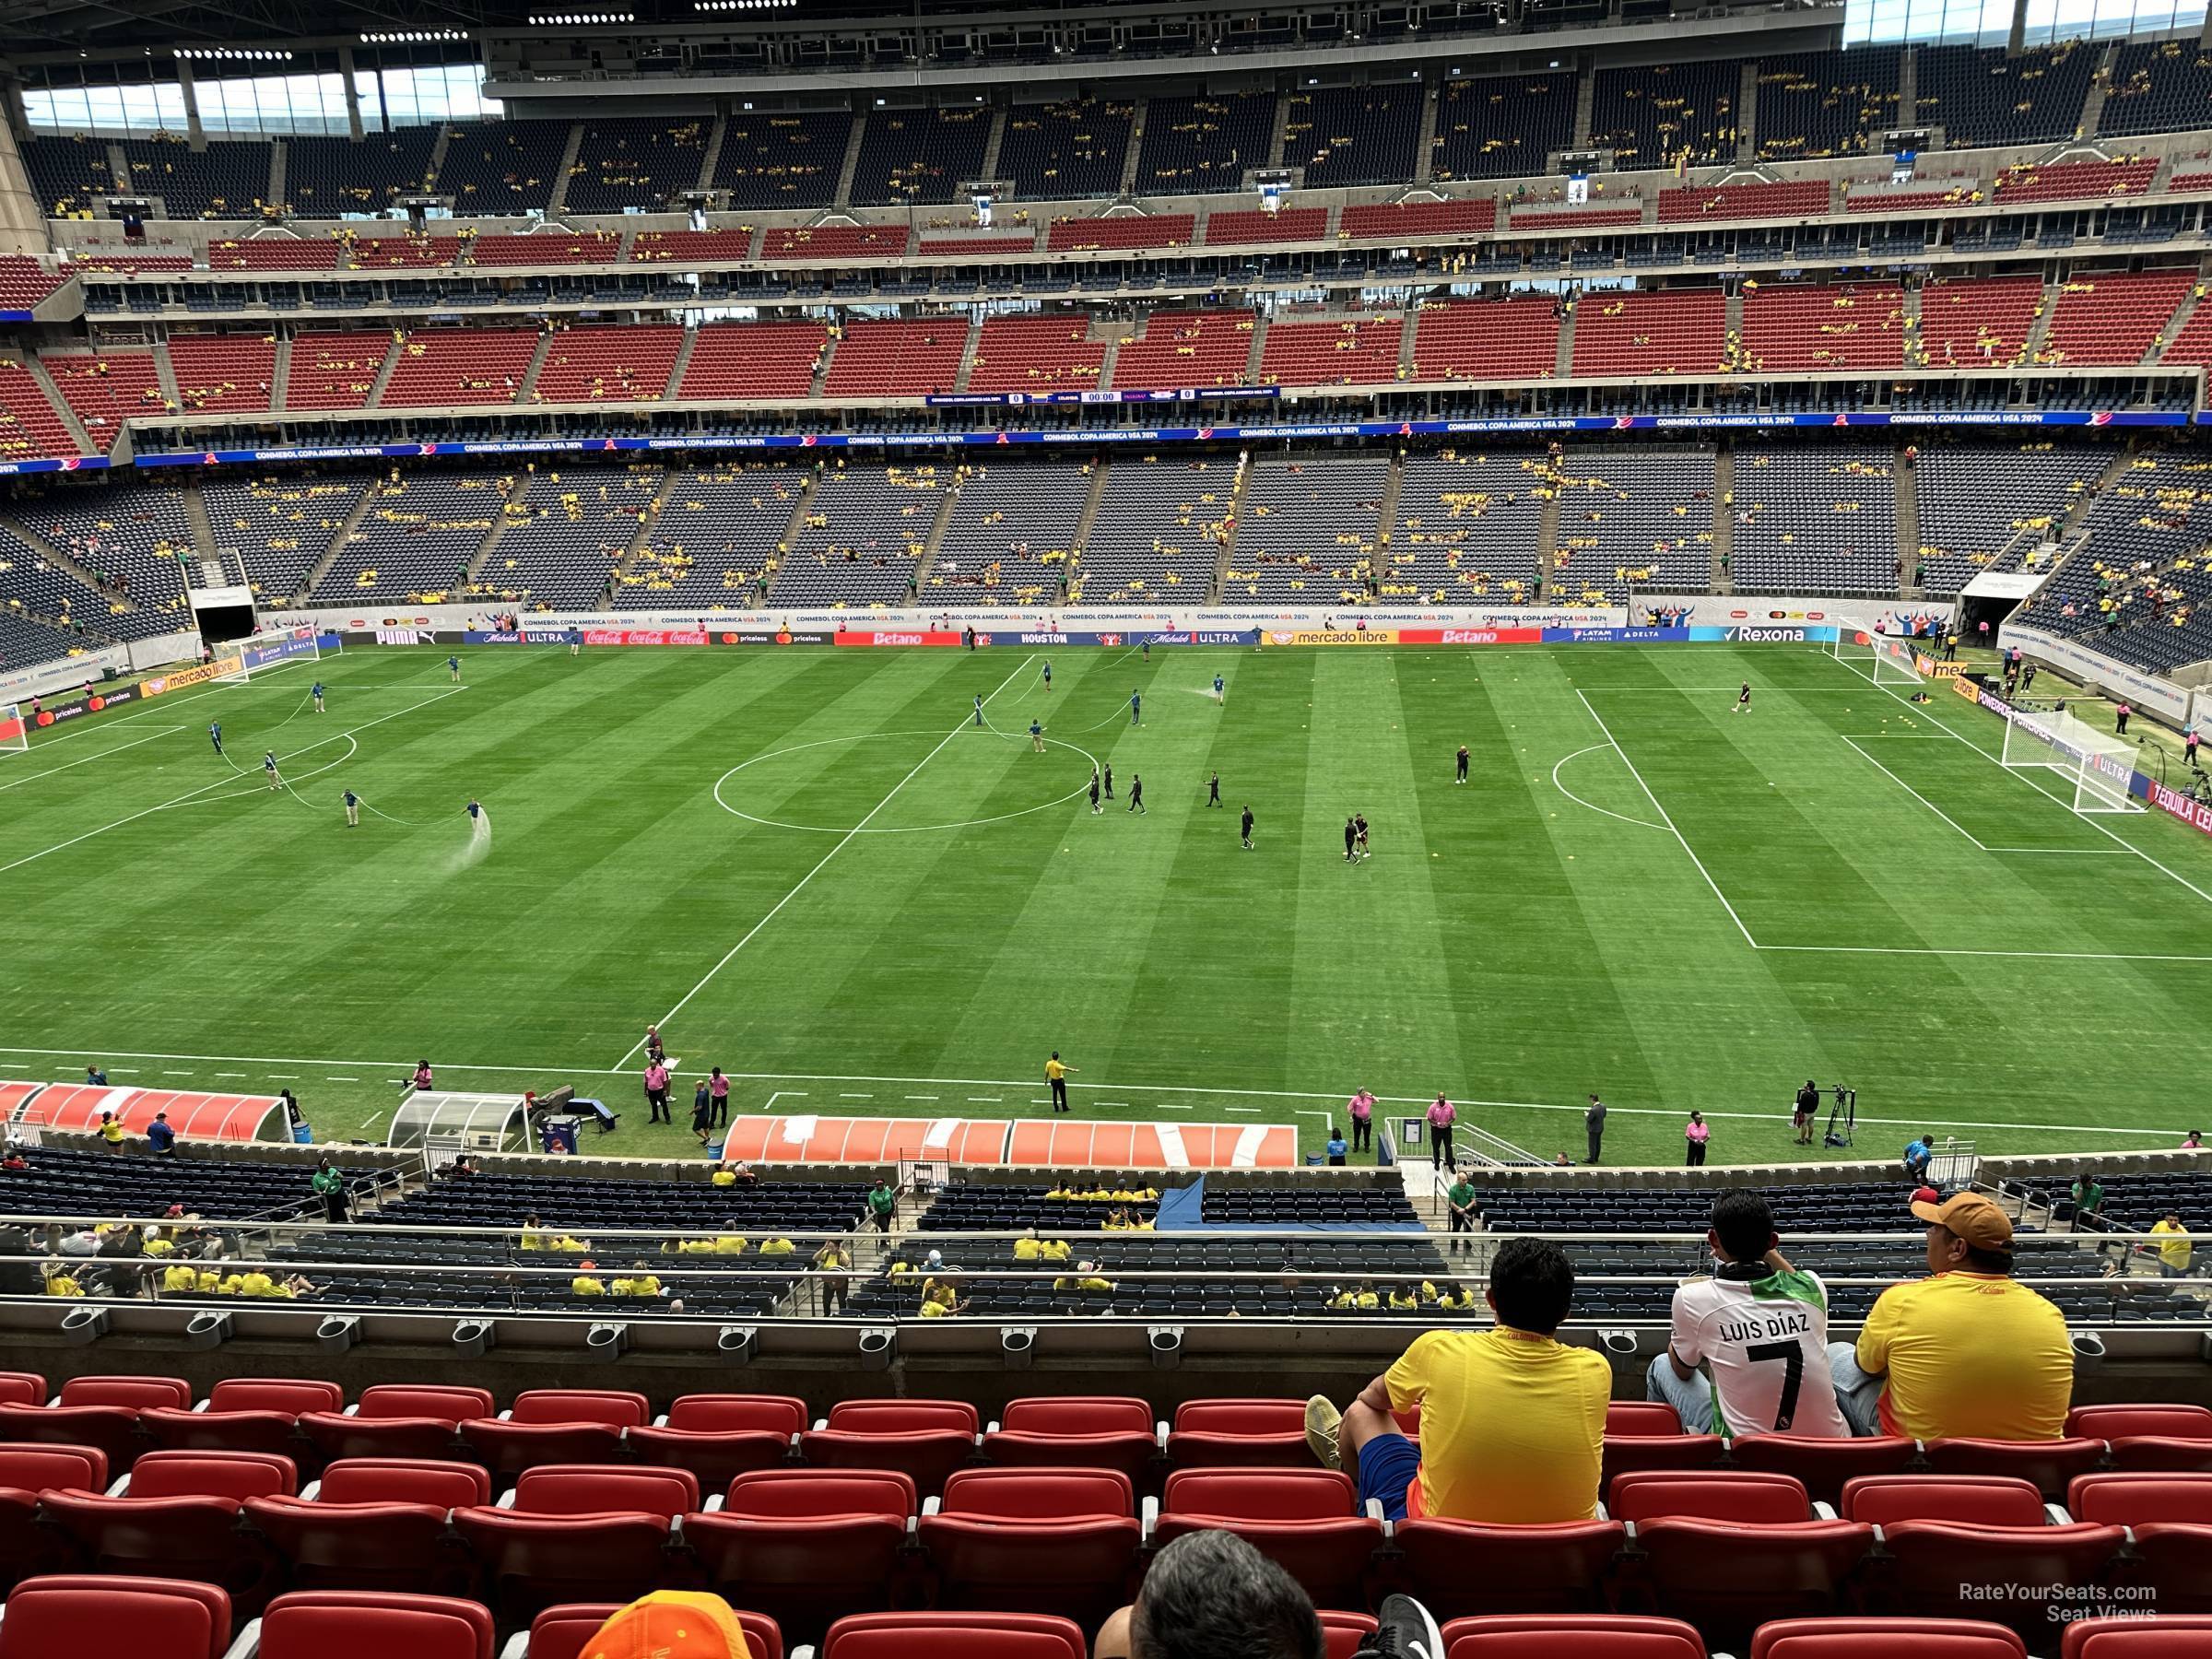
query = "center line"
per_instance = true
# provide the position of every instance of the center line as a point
(842, 842)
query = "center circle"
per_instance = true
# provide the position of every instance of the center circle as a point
(863, 828)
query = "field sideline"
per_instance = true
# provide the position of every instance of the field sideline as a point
(824, 876)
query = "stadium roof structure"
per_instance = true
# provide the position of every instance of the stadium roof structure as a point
(484, 1123)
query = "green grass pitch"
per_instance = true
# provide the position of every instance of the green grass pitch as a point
(838, 888)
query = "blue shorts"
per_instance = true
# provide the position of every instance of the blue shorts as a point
(1388, 1466)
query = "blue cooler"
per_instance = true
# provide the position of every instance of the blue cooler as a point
(303, 1134)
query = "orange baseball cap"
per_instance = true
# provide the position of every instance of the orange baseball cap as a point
(671, 1624)
(1972, 1217)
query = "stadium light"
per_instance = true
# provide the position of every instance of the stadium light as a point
(411, 36)
(581, 19)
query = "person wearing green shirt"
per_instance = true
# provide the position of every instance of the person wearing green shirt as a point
(1461, 1197)
(2089, 1203)
(881, 1202)
(329, 1183)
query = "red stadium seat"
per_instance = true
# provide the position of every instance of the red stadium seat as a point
(561, 1632)
(1088, 1431)
(397, 1421)
(2170, 1438)
(953, 1636)
(1973, 1500)
(269, 1432)
(805, 1546)
(355, 1624)
(1344, 1632)
(508, 1449)
(926, 1439)
(67, 1617)
(1753, 1499)
(593, 1490)
(1588, 1636)
(1631, 1454)
(720, 1437)
(2165, 1637)
(1630, 1418)
(404, 1480)
(27, 1547)
(137, 1393)
(1306, 1520)
(1824, 1466)
(1885, 1638)
(358, 1545)
(1035, 1541)
(1461, 1569)
(2125, 1422)
(35, 1467)
(2049, 1463)
(213, 1474)
(2027, 1577)
(1780, 1563)
(1212, 1434)
(2169, 1518)
(114, 1430)
(618, 1408)
(2134, 1500)
(22, 1388)
(186, 1538)
(288, 1395)
(532, 1563)
(449, 1402)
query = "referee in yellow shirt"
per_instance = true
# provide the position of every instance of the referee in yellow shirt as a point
(1056, 1074)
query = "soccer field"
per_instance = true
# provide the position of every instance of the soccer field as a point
(816, 871)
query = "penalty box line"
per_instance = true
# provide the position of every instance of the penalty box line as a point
(1668, 822)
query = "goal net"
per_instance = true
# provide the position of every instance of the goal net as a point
(1883, 660)
(2095, 765)
(15, 731)
(277, 648)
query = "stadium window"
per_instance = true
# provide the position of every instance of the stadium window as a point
(2049, 21)
(419, 95)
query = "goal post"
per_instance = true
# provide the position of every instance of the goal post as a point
(15, 731)
(2096, 766)
(275, 648)
(1883, 660)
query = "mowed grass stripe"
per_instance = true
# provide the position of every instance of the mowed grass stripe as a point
(1566, 952)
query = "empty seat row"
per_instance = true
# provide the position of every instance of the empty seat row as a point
(807, 1547)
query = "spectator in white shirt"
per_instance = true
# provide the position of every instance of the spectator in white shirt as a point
(1759, 1325)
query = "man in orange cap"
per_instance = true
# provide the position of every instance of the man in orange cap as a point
(1969, 1351)
(671, 1624)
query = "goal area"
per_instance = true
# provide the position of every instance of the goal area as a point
(2094, 765)
(267, 652)
(15, 731)
(1883, 660)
